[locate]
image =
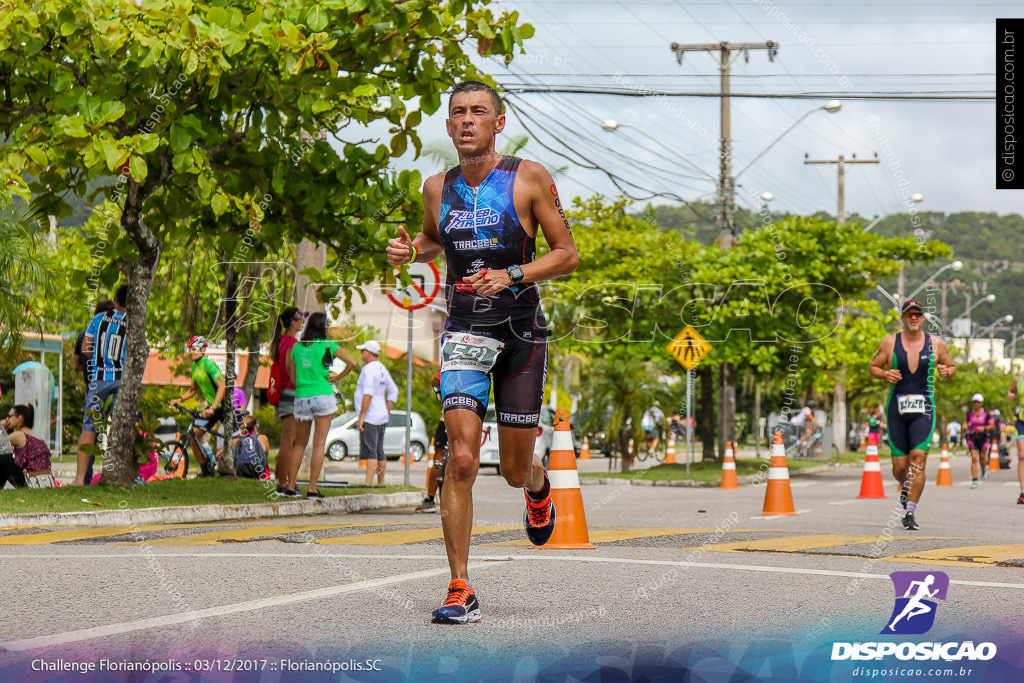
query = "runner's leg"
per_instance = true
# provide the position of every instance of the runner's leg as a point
(457, 494)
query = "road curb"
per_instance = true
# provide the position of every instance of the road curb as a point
(693, 483)
(213, 513)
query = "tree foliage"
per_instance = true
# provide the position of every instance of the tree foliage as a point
(211, 115)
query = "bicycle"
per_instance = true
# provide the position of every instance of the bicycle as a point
(658, 452)
(177, 452)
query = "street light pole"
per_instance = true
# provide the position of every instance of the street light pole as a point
(839, 391)
(727, 54)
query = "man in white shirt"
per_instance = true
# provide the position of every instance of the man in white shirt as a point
(374, 398)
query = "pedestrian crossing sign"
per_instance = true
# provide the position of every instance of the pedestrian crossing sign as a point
(689, 347)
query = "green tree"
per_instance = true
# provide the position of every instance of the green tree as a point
(211, 111)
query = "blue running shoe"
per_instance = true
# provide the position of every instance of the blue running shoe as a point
(460, 607)
(539, 518)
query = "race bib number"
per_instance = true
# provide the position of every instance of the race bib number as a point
(910, 403)
(464, 351)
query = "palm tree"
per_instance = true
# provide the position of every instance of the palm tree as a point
(620, 389)
(25, 266)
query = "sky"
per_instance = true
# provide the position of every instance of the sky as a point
(944, 150)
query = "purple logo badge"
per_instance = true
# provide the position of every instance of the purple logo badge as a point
(916, 592)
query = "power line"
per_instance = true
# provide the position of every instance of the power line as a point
(879, 97)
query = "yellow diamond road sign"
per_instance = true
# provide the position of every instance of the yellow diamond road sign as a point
(689, 348)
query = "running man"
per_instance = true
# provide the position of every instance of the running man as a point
(1016, 396)
(915, 606)
(909, 360)
(484, 215)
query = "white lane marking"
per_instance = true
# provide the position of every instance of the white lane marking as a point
(247, 606)
(842, 502)
(837, 484)
(484, 560)
(802, 484)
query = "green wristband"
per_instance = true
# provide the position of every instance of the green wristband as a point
(415, 254)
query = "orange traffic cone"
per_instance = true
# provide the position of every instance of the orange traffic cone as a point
(632, 452)
(362, 463)
(570, 519)
(871, 485)
(945, 471)
(729, 469)
(778, 496)
(585, 449)
(993, 458)
(862, 444)
(670, 450)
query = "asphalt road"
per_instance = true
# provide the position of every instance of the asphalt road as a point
(683, 579)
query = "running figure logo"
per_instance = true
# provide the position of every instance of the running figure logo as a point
(914, 613)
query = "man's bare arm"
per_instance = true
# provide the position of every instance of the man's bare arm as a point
(879, 364)
(427, 243)
(945, 365)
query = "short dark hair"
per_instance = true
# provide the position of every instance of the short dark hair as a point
(104, 306)
(27, 413)
(477, 86)
(121, 296)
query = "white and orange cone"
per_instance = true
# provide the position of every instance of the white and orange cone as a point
(993, 458)
(570, 519)
(670, 450)
(945, 471)
(729, 481)
(778, 496)
(585, 449)
(871, 485)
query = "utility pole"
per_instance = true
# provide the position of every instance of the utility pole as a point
(839, 392)
(727, 54)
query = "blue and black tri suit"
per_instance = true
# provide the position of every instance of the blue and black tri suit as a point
(910, 431)
(479, 229)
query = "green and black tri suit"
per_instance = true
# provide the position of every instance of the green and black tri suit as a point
(910, 410)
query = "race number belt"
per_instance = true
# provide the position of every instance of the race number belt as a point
(464, 351)
(910, 403)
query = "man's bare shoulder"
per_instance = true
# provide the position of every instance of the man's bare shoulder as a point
(534, 173)
(434, 183)
(888, 343)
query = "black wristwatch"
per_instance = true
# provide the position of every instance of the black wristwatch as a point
(516, 273)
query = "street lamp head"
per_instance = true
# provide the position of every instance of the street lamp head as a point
(917, 197)
(610, 125)
(990, 298)
(767, 196)
(1007, 318)
(832, 106)
(957, 265)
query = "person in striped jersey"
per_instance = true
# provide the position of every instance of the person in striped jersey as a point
(104, 345)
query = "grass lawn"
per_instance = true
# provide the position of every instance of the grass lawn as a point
(170, 493)
(711, 472)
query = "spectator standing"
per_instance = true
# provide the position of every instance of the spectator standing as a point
(309, 365)
(286, 332)
(375, 396)
(103, 346)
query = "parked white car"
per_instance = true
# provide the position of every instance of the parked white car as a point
(343, 437)
(489, 438)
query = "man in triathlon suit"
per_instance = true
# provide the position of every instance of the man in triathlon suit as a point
(1016, 396)
(909, 361)
(484, 215)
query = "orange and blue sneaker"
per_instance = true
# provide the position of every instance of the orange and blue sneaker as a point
(460, 607)
(539, 517)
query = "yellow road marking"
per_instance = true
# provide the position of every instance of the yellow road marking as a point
(84, 533)
(966, 556)
(215, 537)
(790, 544)
(404, 536)
(612, 535)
